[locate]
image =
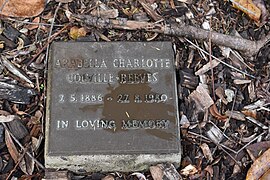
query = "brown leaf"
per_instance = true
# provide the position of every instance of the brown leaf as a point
(259, 167)
(29, 162)
(206, 152)
(11, 147)
(22, 8)
(210, 170)
(156, 172)
(169, 171)
(64, 1)
(7, 118)
(34, 26)
(36, 119)
(14, 152)
(149, 10)
(189, 170)
(261, 5)
(214, 111)
(266, 176)
(258, 148)
(250, 113)
(17, 128)
(248, 7)
(201, 97)
(108, 177)
(235, 115)
(76, 32)
(110, 13)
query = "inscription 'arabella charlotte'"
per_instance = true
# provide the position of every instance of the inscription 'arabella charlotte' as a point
(111, 99)
(116, 63)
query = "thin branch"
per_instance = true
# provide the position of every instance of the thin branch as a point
(248, 47)
(22, 147)
(51, 29)
(211, 62)
(222, 62)
(18, 163)
(49, 41)
(33, 23)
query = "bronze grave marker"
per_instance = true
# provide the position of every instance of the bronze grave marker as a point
(111, 106)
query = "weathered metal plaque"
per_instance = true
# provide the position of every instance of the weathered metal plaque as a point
(114, 100)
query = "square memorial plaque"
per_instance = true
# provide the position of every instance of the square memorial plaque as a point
(111, 106)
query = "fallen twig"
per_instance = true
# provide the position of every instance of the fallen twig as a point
(248, 47)
(22, 147)
(19, 161)
(226, 64)
(46, 45)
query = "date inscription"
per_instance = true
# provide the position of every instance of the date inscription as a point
(121, 98)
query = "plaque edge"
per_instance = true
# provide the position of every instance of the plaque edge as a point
(48, 105)
(105, 163)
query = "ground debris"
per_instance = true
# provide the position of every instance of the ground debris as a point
(15, 93)
(260, 167)
(202, 98)
(223, 102)
(23, 8)
(164, 171)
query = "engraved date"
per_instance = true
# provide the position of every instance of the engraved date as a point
(147, 98)
(80, 98)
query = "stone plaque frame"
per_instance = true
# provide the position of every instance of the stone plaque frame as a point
(161, 143)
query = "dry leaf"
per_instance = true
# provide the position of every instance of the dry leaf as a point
(235, 115)
(17, 128)
(108, 177)
(150, 11)
(201, 97)
(207, 67)
(33, 26)
(221, 94)
(22, 8)
(258, 148)
(250, 113)
(26, 168)
(12, 68)
(259, 167)
(189, 170)
(36, 119)
(206, 152)
(214, 111)
(64, 1)
(7, 118)
(169, 171)
(215, 134)
(76, 32)
(210, 170)
(265, 14)
(11, 147)
(140, 176)
(266, 176)
(110, 13)
(156, 172)
(248, 7)
(29, 162)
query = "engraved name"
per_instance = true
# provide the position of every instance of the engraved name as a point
(116, 63)
(123, 78)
